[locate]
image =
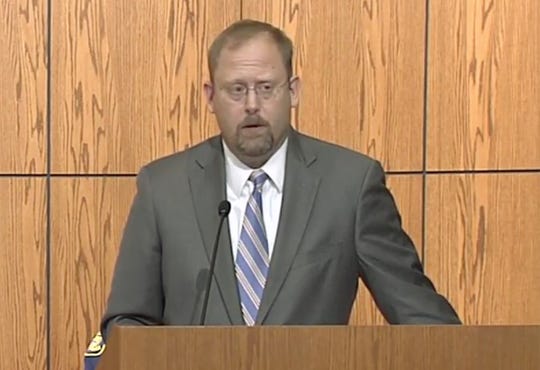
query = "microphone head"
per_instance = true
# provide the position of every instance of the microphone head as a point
(224, 208)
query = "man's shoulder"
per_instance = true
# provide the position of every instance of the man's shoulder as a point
(327, 151)
(178, 162)
(338, 166)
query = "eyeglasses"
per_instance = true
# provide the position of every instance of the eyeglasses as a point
(264, 90)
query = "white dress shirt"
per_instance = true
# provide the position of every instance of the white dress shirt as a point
(239, 189)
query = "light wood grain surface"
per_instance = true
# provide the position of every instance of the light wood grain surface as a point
(483, 85)
(446, 347)
(23, 86)
(88, 216)
(23, 284)
(482, 245)
(128, 80)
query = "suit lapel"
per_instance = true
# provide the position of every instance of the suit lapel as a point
(299, 192)
(207, 183)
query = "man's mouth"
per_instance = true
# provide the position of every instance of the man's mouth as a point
(254, 122)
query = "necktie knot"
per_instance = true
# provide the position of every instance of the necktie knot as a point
(258, 177)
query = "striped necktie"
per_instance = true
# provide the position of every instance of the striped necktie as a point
(252, 258)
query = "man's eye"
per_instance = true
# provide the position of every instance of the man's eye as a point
(237, 89)
(265, 87)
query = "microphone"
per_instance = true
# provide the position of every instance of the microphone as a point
(223, 210)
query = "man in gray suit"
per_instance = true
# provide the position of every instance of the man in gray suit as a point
(307, 218)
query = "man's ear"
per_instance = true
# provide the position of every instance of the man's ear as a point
(209, 93)
(294, 90)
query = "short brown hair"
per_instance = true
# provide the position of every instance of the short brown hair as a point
(241, 31)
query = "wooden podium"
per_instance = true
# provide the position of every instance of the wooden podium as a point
(323, 347)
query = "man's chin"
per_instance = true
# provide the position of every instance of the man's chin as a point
(255, 150)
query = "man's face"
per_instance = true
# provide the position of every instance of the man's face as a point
(252, 97)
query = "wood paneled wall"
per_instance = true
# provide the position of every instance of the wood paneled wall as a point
(444, 93)
(23, 86)
(127, 80)
(483, 85)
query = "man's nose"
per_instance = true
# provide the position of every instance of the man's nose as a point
(252, 102)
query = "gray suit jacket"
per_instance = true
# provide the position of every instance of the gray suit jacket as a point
(339, 222)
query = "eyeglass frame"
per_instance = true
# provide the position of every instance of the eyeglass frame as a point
(260, 94)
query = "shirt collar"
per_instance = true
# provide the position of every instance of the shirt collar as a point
(237, 173)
